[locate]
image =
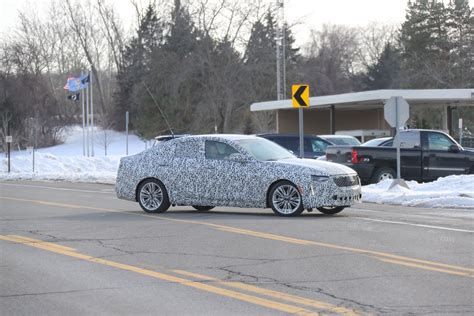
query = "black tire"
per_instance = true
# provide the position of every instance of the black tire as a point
(152, 196)
(331, 210)
(285, 199)
(382, 174)
(203, 208)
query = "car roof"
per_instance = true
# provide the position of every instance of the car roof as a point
(225, 136)
(286, 135)
(336, 136)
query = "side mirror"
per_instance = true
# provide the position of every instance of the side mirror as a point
(238, 157)
(454, 148)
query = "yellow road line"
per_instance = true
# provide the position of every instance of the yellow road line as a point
(395, 259)
(414, 265)
(198, 285)
(31, 240)
(279, 295)
(377, 254)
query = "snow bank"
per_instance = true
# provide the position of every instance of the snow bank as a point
(65, 168)
(448, 192)
(65, 162)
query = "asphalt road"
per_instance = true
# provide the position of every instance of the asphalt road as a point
(68, 249)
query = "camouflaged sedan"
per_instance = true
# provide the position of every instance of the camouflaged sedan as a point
(234, 170)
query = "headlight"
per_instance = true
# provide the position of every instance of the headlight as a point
(319, 179)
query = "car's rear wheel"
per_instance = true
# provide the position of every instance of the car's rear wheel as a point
(285, 199)
(331, 210)
(153, 197)
(203, 208)
(383, 174)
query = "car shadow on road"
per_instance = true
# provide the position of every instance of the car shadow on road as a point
(220, 214)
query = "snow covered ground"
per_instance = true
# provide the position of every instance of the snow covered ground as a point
(65, 162)
(448, 192)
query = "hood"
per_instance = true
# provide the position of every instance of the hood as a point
(319, 167)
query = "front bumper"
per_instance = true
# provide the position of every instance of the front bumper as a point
(329, 194)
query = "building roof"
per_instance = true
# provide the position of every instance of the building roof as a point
(373, 99)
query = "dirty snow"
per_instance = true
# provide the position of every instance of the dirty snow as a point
(455, 191)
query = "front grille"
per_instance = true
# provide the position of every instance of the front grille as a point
(346, 181)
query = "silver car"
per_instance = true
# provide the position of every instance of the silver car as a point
(234, 170)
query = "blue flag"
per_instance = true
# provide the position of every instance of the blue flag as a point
(74, 84)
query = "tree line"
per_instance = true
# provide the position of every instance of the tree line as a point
(196, 66)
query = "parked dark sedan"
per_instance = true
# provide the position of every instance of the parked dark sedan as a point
(313, 145)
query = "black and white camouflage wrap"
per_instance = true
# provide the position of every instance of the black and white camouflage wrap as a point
(191, 179)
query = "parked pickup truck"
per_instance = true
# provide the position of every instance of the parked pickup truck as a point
(425, 155)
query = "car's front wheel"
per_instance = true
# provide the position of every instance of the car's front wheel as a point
(203, 208)
(153, 197)
(331, 210)
(285, 199)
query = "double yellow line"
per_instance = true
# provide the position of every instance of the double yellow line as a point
(382, 256)
(219, 290)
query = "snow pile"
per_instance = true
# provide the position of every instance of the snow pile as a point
(448, 192)
(66, 168)
(66, 162)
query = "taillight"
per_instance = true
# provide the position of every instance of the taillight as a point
(354, 156)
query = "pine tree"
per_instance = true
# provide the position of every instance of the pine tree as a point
(461, 34)
(385, 73)
(137, 57)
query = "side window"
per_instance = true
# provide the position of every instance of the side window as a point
(218, 150)
(188, 149)
(293, 144)
(409, 140)
(318, 145)
(437, 141)
(388, 143)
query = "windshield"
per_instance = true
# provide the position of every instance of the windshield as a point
(352, 141)
(264, 150)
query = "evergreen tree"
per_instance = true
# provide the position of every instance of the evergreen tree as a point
(461, 34)
(385, 73)
(137, 59)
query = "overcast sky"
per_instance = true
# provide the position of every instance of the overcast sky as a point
(310, 13)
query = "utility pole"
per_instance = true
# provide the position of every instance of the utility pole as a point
(126, 133)
(9, 141)
(280, 50)
(92, 113)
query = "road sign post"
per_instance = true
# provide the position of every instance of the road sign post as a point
(31, 150)
(300, 100)
(126, 133)
(396, 113)
(9, 140)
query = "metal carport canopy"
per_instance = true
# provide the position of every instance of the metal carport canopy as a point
(367, 99)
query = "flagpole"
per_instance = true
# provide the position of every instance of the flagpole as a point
(87, 119)
(92, 113)
(83, 123)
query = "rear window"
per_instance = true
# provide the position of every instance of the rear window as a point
(344, 141)
(409, 139)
